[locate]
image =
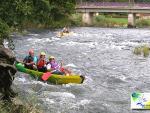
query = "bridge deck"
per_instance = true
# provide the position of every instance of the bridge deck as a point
(113, 7)
(112, 4)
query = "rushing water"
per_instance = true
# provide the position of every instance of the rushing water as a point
(103, 55)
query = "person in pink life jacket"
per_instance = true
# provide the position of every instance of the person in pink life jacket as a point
(55, 68)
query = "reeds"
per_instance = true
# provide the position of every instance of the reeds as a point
(142, 50)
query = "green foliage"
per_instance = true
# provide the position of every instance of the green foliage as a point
(49, 12)
(137, 50)
(142, 50)
(76, 19)
(104, 0)
(146, 51)
(22, 13)
(143, 23)
(15, 12)
(102, 20)
(7, 107)
(113, 0)
(4, 30)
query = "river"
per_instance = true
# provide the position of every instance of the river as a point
(104, 55)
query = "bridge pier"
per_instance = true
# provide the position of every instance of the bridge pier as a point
(131, 20)
(87, 18)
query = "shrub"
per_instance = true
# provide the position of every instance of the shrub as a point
(76, 20)
(142, 50)
(143, 23)
(100, 18)
(4, 30)
(137, 50)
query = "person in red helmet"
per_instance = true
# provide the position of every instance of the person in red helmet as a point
(30, 61)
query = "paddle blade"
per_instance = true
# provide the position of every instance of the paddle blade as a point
(46, 75)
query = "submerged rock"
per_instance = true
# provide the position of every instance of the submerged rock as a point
(7, 70)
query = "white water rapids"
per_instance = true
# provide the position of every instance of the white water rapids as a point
(103, 55)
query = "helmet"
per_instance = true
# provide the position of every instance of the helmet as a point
(31, 51)
(43, 53)
(51, 57)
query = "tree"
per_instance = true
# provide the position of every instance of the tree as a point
(17, 13)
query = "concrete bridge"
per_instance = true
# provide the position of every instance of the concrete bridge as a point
(88, 10)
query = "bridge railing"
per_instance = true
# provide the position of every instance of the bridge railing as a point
(114, 4)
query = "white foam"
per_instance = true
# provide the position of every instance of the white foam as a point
(33, 34)
(121, 77)
(21, 79)
(129, 43)
(88, 44)
(59, 94)
(71, 65)
(39, 82)
(80, 103)
(71, 43)
(5, 43)
(84, 102)
(33, 40)
(84, 53)
(50, 101)
(55, 38)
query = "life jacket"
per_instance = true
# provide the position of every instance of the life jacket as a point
(35, 59)
(29, 59)
(55, 65)
(41, 63)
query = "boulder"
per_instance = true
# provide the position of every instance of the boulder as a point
(7, 70)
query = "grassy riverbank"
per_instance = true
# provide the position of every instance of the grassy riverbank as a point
(6, 107)
(109, 21)
(21, 104)
(105, 21)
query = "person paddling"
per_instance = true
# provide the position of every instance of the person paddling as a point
(65, 30)
(55, 68)
(41, 64)
(30, 60)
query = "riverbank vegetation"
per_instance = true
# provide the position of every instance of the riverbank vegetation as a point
(4, 30)
(118, 21)
(16, 15)
(6, 107)
(109, 20)
(21, 14)
(143, 23)
(143, 50)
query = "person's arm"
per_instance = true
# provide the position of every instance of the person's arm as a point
(61, 64)
(25, 59)
(48, 66)
(31, 63)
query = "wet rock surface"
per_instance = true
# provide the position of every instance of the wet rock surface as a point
(7, 71)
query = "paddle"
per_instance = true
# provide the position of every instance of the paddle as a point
(46, 75)
(19, 61)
